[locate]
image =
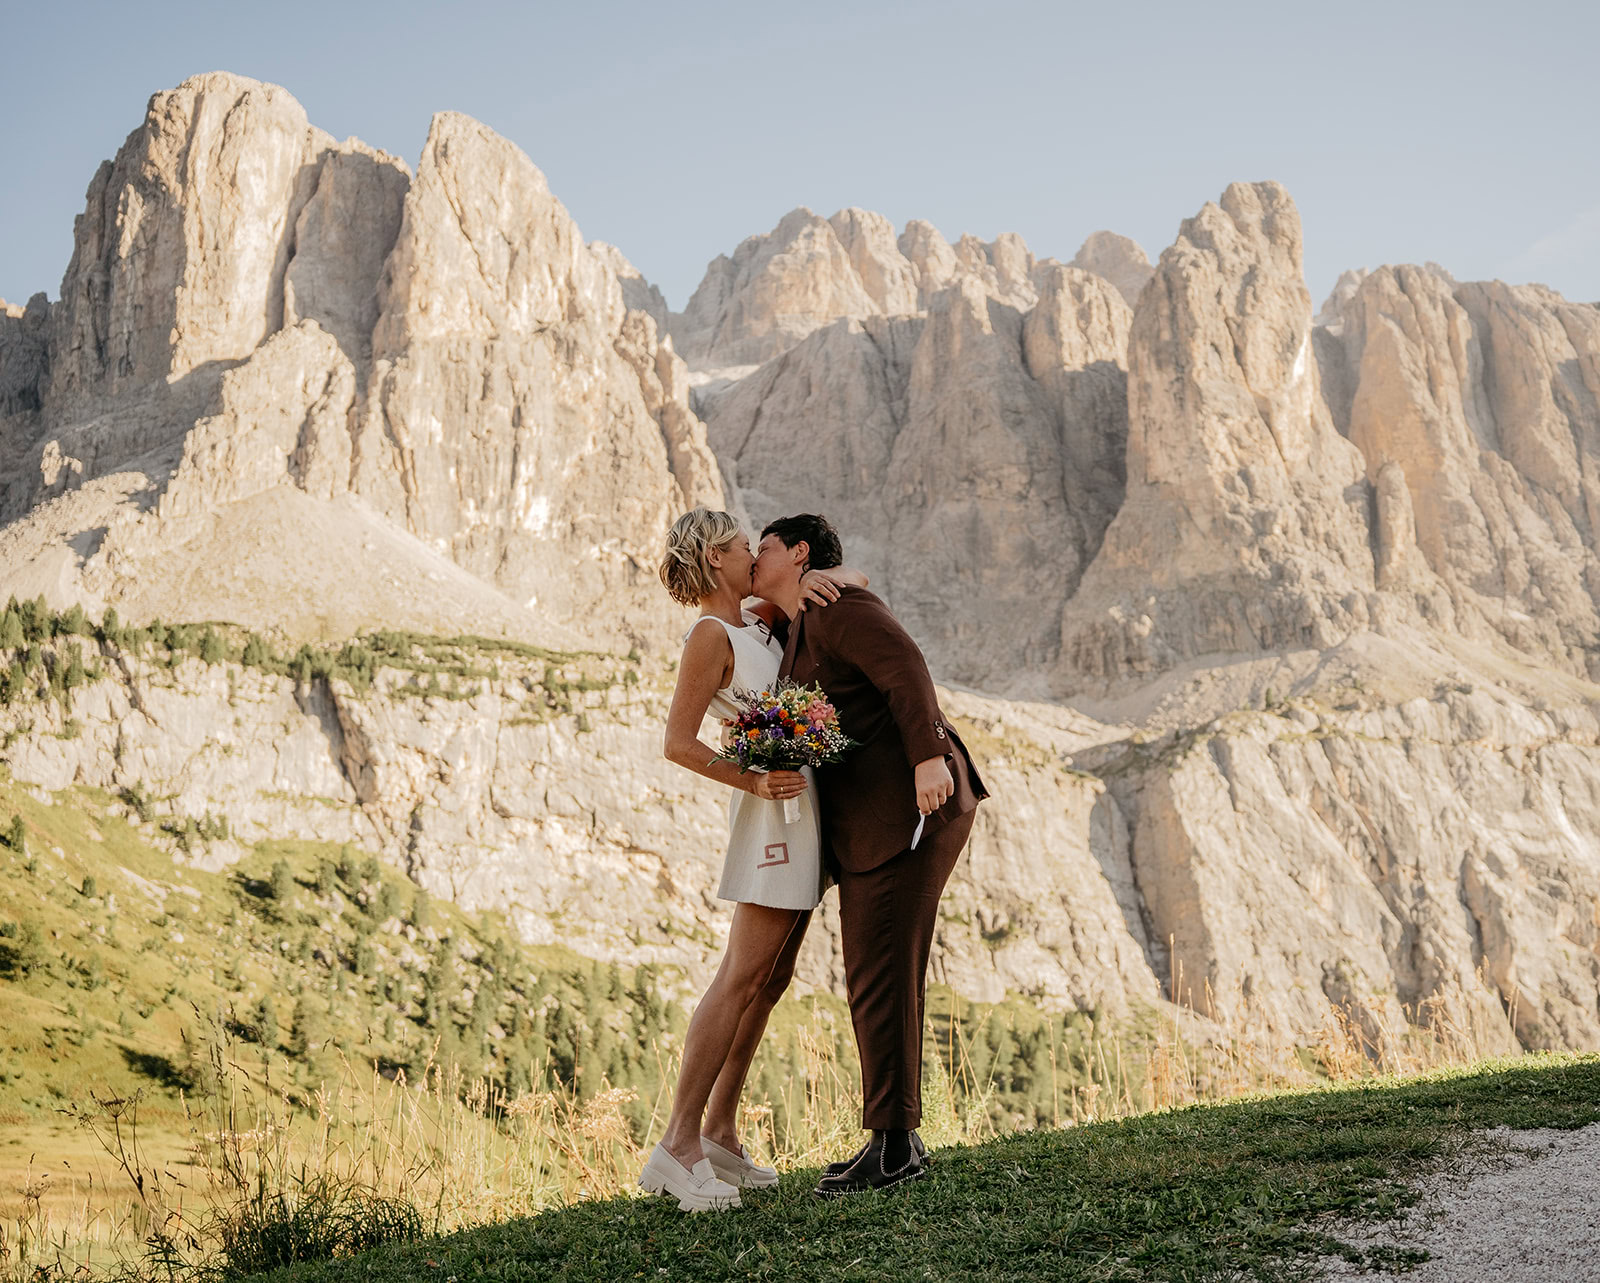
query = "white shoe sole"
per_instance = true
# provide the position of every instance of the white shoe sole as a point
(656, 1182)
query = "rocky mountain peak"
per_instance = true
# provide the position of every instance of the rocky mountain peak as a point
(808, 272)
(1118, 259)
(1235, 472)
(255, 314)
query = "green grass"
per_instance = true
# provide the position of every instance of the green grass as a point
(1246, 1190)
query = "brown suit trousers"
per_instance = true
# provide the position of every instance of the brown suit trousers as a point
(875, 675)
(887, 916)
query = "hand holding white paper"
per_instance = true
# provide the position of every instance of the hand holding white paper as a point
(791, 810)
(917, 836)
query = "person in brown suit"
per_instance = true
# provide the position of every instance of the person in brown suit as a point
(896, 814)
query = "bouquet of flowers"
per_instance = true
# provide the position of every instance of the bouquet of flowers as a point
(783, 729)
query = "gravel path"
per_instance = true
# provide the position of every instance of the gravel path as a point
(1531, 1216)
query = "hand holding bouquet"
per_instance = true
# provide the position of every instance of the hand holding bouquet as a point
(785, 728)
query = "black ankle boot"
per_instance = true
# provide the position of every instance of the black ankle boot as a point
(917, 1147)
(889, 1159)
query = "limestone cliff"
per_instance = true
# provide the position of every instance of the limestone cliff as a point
(534, 784)
(1409, 853)
(1485, 399)
(1244, 525)
(255, 313)
(974, 455)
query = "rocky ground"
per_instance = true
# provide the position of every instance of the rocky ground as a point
(1526, 1216)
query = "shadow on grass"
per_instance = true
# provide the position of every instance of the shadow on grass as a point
(161, 1070)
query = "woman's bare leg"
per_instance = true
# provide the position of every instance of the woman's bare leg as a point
(757, 938)
(722, 1108)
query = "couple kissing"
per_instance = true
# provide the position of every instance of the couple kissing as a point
(885, 823)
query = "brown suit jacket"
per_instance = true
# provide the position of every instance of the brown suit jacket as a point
(876, 677)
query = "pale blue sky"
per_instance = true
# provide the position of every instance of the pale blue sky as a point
(1459, 132)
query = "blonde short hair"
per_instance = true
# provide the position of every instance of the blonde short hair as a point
(686, 569)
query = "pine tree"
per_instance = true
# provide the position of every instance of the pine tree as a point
(589, 993)
(280, 884)
(439, 987)
(518, 1074)
(73, 622)
(565, 1047)
(11, 634)
(649, 1010)
(16, 680)
(265, 1020)
(36, 619)
(484, 1005)
(28, 954)
(305, 1033)
(17, 835)
(212, 651)
(605, 1052)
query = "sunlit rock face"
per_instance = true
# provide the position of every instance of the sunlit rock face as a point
(1244, 525)
(253, 309)
(1485, 399)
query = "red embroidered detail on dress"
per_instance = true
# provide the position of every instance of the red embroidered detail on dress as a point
(774, 855)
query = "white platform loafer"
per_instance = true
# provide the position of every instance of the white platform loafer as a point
(737, 1169)
(696, 1188)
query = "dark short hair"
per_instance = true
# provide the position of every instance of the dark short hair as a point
(815, 532)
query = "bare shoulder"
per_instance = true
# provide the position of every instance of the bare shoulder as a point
(707, 646)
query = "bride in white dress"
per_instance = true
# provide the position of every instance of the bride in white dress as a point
(773, 870)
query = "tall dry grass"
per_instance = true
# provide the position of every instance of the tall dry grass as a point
(368, 1158)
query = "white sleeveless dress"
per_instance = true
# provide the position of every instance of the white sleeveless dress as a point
(769, 861)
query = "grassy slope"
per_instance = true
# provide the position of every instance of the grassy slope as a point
(1216, 1191)
(130, 967)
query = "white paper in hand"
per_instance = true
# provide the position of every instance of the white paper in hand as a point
(917, 836)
